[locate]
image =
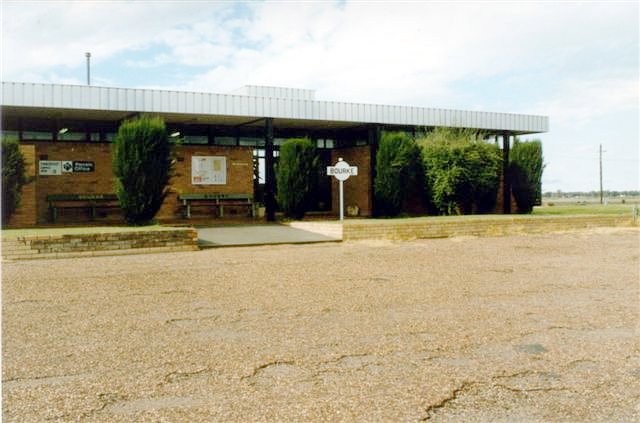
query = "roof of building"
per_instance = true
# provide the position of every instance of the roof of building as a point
(288, 106)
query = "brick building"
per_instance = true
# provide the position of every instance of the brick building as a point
(65, 133)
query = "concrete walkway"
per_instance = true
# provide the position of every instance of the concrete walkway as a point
(258, 235)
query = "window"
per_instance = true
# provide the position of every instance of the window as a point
(251, 141)
(72, 136)
(11, 134)
(196, 139)
(225, 140)
(324, 143)
(37, 135)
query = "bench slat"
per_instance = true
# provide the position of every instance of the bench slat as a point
(221, 200)
(215, 196)
(82, 197)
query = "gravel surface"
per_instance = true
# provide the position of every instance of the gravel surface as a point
(523, 328)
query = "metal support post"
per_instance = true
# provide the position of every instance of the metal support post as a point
(506, 180)
(270, 174)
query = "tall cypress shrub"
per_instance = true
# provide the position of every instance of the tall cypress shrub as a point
(398, 172)
(297, 167)
(13, 177)
(141, 165)
(525, 167)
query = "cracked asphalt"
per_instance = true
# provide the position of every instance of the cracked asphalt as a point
(522, 328)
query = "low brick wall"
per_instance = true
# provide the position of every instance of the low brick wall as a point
(81, 245)
(443, 227)
(331, 229)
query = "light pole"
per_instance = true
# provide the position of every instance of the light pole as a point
(88, 56)
(601, 193)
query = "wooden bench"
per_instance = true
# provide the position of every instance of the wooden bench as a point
(90, 202)
(219, 201)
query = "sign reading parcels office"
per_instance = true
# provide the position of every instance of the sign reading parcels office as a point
(82, 166)
(208, 170)
(49, 167)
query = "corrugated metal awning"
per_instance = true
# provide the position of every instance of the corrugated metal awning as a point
(18, 95)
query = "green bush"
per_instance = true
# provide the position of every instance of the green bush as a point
(461, 171)
(141, 165)
(295, 173)
(525, 168)
(398, 172)
(13, 177)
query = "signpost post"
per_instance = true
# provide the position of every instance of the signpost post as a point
(342, 171)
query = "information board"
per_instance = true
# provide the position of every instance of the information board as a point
(208, 170)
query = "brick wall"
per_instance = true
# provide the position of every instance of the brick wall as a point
(98, 182)
(442, 227)
(34, 208)
(500, 200)
(85, 245)
(239, 175)
(25, 213)
(357, 189)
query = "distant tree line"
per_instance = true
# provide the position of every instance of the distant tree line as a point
(607, 193)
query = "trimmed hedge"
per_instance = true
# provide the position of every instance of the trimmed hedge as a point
(13, 177)
(295, 173)
(141, 165)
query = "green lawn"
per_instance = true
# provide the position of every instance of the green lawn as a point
(14, 233)
(574, 208)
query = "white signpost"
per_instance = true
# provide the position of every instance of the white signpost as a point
(342, 171)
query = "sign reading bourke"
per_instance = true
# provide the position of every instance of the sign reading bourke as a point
(342, 171)
(208, 170)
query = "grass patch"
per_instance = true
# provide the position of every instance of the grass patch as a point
(568, 209)
(15, 233)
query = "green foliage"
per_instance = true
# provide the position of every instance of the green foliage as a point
(398, 172)
(525, 167)
(141, 165)
(297, 168)
(461, 171)
(13, 177)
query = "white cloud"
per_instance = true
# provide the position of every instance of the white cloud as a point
(581, 100)
(40, 35)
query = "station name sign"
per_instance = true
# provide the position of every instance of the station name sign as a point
(341, 171)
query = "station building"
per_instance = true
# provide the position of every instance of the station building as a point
(228, 143)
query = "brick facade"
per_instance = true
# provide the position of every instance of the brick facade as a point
(357, 189)
(34, 209)
(239, 175)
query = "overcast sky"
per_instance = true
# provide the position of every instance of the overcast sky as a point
(574, 62)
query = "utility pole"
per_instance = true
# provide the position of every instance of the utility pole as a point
(88, 56)
(600, 173)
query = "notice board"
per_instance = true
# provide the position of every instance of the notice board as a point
(208, 170)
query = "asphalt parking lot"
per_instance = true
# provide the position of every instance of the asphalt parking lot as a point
(521, 328)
